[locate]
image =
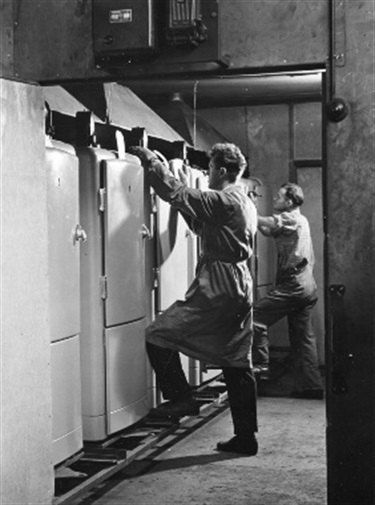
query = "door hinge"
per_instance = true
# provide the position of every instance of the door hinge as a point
(154, 202)
(156, 272)
(102, 199)
(339, 34)
(103, 287)
(342, 358)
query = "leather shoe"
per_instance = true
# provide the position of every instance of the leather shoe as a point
(308, 394)
(240, 445)
(177, 409)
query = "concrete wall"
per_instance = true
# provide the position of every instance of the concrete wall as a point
(26, 428)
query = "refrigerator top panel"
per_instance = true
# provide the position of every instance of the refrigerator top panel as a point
(124, 240)
(64, 248)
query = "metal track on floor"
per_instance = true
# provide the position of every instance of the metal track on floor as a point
(100, 461)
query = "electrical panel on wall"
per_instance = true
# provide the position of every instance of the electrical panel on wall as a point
(156, 36)
(123, 28)
(185, 25)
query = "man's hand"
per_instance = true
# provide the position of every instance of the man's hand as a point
(144, 154)
(265, 231)
(182, 174)
(185, 175)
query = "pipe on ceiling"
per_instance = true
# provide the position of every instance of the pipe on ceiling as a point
(231, 91)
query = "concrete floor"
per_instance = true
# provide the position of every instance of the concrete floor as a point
(290, 468)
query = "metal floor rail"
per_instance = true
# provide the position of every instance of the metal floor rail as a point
(99, 461)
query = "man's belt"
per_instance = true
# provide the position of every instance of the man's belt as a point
(295, 269)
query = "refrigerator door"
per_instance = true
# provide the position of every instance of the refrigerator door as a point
(124, 240)
(64, 300)
(173, 261)
(266, 262)
(126, 385)
(172, 253)
(265, 251)
(64, 247)
(199, 372)
(197, 180)
(92, 312)
(66, 399)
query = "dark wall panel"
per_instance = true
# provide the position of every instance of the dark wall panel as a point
(350, 224)
(53, 39)
(6, 39)
(265, 32)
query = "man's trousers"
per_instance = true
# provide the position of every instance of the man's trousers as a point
(241, 387)
(277, 304)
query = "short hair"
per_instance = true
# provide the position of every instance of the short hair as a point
(229, 156)
(294, 193)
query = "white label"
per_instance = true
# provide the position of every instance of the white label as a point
(121, 16)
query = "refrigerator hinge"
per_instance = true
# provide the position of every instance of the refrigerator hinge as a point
(103, 287)
(102, 199)
(156, 272)
(154, 202)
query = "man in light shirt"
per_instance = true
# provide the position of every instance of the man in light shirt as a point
(294, 295)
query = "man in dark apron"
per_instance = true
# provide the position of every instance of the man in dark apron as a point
(214, 321)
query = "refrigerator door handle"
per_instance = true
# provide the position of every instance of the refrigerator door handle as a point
(79, 234)
(145, 232)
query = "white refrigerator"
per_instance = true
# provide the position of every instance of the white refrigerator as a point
(64, 238)
(115, 391)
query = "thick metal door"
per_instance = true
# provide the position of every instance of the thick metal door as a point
(124, 237)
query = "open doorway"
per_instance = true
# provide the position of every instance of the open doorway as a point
(277, 121)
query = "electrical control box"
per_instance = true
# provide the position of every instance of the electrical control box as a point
(156, 36)
(123, 27)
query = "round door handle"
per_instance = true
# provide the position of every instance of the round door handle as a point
(80, 234)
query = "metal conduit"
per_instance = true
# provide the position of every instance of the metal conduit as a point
(231, 91)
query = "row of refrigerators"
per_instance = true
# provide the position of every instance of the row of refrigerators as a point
(118, 255)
